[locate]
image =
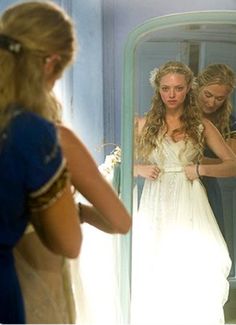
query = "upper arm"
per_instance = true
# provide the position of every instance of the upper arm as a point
(216, 142)
(90, 183)
(232, 140)
(81, 165)
(232, 144)
(47, 184)
(58, 225)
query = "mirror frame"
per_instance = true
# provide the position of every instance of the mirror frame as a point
(225, 17)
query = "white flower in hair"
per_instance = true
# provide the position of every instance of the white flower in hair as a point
(152, 78)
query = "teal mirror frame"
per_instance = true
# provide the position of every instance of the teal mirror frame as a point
(227, 17)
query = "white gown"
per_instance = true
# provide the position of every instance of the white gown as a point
(180, 262)
(46, 282)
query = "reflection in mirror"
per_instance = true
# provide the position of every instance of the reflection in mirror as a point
(183, 243)
(197, 45)
(194, 44)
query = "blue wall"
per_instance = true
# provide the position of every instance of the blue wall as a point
(82, 86)
(87, 100)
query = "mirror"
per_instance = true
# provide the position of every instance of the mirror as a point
(197, 39)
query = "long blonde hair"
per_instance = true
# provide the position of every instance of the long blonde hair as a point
(220, 74)
(32, 31)
(155, 124)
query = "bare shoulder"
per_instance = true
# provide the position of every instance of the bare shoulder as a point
(71, 143)
(139, 123)
(66, 135)
(209, 127)
(207, 123)
(64, 131)
(210, 130)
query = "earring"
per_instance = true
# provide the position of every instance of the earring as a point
(53, 57)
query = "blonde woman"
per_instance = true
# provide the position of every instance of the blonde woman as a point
(35, 184)
(214, 86)
(37, 42)
(180, 259)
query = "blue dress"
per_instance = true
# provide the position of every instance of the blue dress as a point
(213, 188)
(32, 174)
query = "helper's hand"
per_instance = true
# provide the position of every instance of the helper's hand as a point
(192, 172)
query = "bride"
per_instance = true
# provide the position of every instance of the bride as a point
(180, 260)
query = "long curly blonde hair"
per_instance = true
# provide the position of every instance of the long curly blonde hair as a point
(155, 126)
(220, 74)
(39, 29)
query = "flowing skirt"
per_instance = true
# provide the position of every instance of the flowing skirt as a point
(180, 262)
(46, 283)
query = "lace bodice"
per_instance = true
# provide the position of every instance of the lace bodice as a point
(173, 155)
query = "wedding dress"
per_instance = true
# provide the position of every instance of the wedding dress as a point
(46, 282)
(180, 261)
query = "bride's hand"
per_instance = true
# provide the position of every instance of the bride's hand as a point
(150, 172)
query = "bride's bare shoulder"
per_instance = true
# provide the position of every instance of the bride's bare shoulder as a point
(139, 122)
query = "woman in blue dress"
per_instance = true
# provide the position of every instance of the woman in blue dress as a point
(37, 42)
(35, 183)
(214, 86)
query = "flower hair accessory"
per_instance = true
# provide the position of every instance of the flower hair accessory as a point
(153, 75)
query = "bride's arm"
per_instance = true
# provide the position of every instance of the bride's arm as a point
(150, 172)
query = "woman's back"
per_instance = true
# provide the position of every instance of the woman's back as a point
(32, 173)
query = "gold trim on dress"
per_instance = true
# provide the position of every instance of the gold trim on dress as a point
(49, 193)
(46, 186)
